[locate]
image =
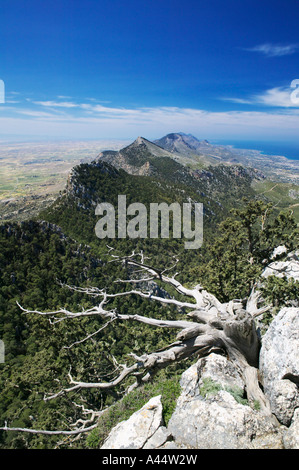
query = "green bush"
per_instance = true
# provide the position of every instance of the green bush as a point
(210, 387)
(168, 388)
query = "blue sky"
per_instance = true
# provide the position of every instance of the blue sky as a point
(118, 69)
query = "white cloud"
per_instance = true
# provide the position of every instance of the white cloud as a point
(57, 104)
(75, 120)
(275, 50)
(63, 97)
(103, 122)
(278, 97)
(236, 100)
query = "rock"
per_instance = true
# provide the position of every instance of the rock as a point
(218, 421)
(279, 364)
(138, 429)
(288, 268)
(220, 370)
(291, 436)
(161, 436)
(279, 251)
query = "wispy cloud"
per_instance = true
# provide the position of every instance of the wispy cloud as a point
(277, 97)
(63, 97)
(57, 104)
(12, 101)
(75, 119)
(275, 50)
(236, 100)
(105, 122)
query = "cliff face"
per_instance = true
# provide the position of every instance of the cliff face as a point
(212, 411)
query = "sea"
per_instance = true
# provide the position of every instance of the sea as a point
(288, 150)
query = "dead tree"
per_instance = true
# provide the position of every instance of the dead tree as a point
(210, 326)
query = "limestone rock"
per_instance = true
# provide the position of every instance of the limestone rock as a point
(288, 268)
(161, 436)
(218, 421)
(279, 364)
(138, 429)
(220, 370)
(221, 418)
(279, 251)
(291, 435)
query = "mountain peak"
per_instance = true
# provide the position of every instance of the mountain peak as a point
(140, 140)
(185, 144)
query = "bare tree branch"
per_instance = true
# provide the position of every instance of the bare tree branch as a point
(227, 328)
(91, 335)
(51, 433)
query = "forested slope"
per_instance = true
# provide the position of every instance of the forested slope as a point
(61, 247)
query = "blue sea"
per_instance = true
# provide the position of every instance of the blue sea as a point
(288, 150)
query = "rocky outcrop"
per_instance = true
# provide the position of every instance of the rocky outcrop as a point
(210, 414)
(138, 429)
(212, 411)
(120, 161)
(279, 364)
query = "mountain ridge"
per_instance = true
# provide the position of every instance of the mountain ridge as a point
(202, 152)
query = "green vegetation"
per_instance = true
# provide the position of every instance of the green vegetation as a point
(280, 291)
(257, 405)
(165, 385)
(210, 387)
(36, 255)
(283, 195)
(237, 256)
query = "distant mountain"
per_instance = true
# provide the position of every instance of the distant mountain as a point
(199, 153)
(145, 158)
(182, 148)
(184, 144)
(136, 158)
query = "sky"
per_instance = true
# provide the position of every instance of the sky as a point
(97, 69)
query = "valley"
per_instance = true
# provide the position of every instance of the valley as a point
(33, 173)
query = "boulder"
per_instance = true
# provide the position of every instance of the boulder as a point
(291, 436)
(279, 364)
(159, 439)
(138, 429)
